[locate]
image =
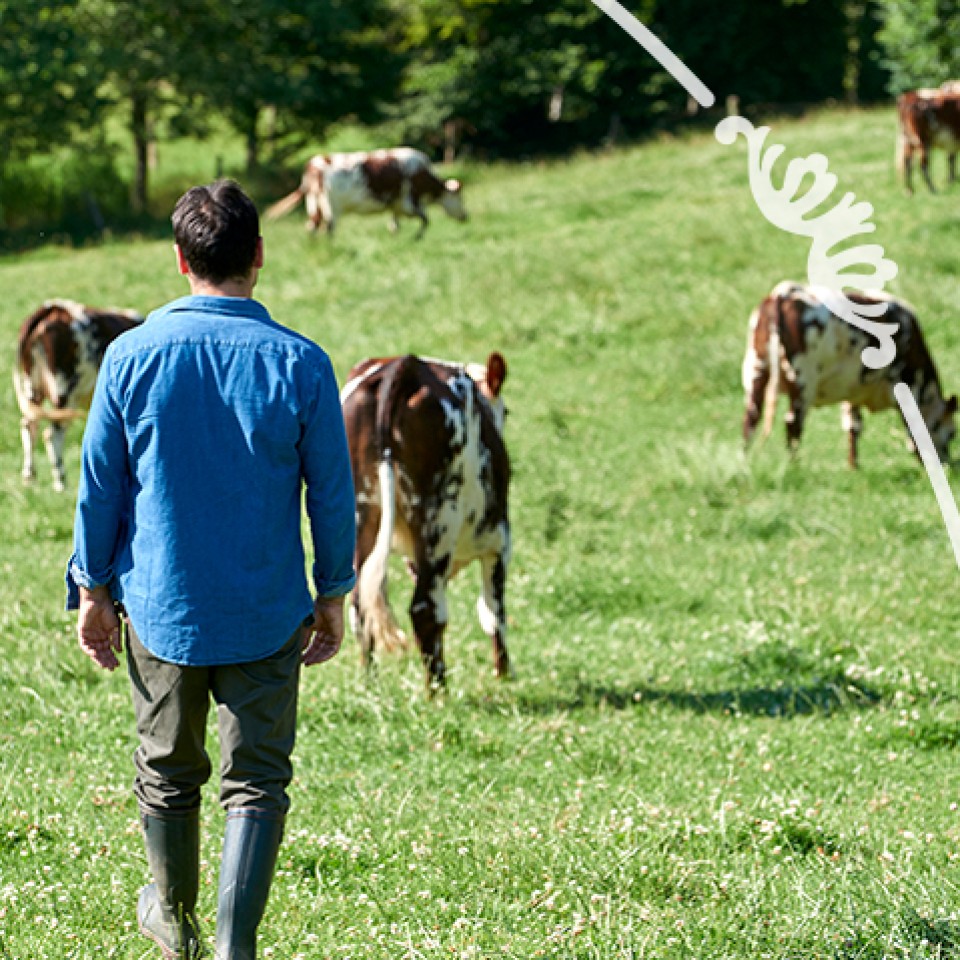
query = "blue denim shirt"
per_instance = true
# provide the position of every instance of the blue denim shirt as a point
(207, 425)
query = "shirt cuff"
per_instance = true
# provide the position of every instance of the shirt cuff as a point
(75, 578)
(331, 589)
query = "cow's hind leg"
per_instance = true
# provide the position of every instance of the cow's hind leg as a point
(53, 440)
(755, 397)
(428, 612)
(492, 611)
(852, 421)
(794, 419)
(327, 214)
(424, 222)
(28, 436)
(314, 213)
(925, 167)
(906, 165)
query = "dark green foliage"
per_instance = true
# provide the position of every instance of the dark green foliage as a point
(309, 64)
(509, 78)
(920, 41)
(77, 189)
(520, 76)
(48, 79)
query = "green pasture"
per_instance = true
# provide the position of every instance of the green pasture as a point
(734, 730)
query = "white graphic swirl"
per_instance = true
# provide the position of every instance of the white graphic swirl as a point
(787, 208)
(843, 222)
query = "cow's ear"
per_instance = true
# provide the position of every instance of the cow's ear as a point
(496, 372)
(952, 404)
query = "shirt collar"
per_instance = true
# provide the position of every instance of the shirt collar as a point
(217, 306)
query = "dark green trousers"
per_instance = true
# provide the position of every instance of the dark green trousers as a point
(257, 716)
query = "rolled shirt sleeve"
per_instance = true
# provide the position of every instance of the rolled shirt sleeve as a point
(329, 497)
(102, 497)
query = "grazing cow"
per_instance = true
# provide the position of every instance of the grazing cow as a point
(797, 346)
(928, 118)
(431, 474)
(59, 352)
(399, 180)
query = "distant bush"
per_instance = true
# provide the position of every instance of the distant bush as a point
(77, 191)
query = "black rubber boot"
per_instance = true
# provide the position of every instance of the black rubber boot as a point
(166, 910)
(250, 844)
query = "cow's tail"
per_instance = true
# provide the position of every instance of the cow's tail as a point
(773, 364)
(282, 207)
(376, 616)
(377, 621)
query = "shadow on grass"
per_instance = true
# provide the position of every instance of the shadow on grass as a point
(913, 935)
(821, 695)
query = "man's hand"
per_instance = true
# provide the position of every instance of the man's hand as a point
(322, 639)
(98, 627)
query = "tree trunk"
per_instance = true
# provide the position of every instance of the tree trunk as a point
(253, 150)
(853, 11)
(138, 127)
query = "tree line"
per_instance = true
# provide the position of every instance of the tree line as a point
(493, 77)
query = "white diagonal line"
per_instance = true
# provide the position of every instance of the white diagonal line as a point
(928, 453)
(659, 51)
(908, 405)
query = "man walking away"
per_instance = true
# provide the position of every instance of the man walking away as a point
(208, 424)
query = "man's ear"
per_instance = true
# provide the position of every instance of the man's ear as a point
(182, 264)
(258, 258)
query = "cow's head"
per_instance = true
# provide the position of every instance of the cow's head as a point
(452, 199)
(490, 379)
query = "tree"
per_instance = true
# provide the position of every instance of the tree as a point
(528, 75)
(521, 73)
(310, 63)
(145, 47)
(48, 79)
(920, 41)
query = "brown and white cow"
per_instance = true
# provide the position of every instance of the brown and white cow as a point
(400, 181)
(928, 118)
(59, 352)
(796, 346)
(431, 474)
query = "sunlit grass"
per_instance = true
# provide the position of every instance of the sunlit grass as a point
(735, 723)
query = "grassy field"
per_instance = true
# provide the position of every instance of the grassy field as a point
(735, 724)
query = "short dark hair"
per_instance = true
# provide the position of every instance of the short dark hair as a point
(217, 228)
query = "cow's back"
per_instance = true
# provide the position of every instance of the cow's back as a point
(931, 116)
(59, 352)
(363, 182)
(428, 418)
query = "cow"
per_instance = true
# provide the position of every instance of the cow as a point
(431, 475)
(928, 118)
(796, 346)
(59, 352)
(399, 180)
